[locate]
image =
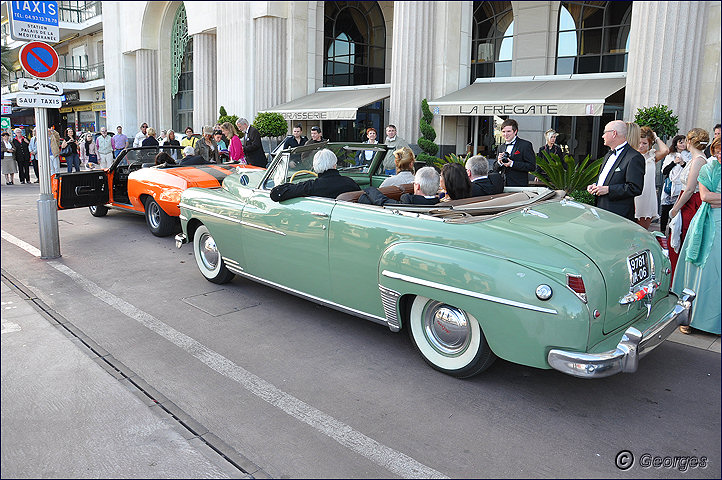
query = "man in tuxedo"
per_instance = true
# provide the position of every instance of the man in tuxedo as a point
(483, 182)
(515, 158)
(622, 175)
(252, 147)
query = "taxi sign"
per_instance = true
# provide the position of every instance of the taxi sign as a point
(39, 59)
(35, 20)
(39, 101)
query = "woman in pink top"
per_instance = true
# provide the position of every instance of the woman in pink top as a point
(235, 149)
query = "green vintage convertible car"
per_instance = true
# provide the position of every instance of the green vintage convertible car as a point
(528, 275)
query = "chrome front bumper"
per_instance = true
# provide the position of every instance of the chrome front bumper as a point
(633, 346)
(180, 239)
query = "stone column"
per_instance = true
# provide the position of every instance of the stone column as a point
(204, 81)
(665, 50)
(146, 74)
(270, 61)
(411, 65)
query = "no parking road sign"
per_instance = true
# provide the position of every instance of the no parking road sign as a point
(39, 59)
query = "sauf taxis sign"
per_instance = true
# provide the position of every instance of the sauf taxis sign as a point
(34, 20)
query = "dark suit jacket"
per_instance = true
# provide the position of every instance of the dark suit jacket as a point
(253, 149)
(490, 185)
(372, 196)
(524, 162)
(329, 184)
(192, 160)
(625, 181)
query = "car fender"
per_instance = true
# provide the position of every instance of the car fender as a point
(498, 292)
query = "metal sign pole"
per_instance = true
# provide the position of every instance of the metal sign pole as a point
(47, 205)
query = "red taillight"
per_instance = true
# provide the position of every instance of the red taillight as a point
(664, 243)
(576, 284)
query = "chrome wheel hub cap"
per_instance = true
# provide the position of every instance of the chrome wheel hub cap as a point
(155, 215)
(446, 328)
(209, 252)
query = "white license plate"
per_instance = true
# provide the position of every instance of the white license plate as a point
(639, 267)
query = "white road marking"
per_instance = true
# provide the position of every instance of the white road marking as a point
(9, 327)
(387, 457)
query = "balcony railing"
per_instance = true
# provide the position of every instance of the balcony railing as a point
(80, 74)
(79, 12)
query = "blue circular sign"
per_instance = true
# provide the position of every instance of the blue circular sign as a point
(39, 59)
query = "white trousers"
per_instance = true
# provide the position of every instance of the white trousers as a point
(106, 160)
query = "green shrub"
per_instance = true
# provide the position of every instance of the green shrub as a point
(659, 118)
(582, 196)
(567, 175)
(450, 158)
(270, 124)
(224, 117)
(426, 142)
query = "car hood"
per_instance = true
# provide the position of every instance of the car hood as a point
(607, 240)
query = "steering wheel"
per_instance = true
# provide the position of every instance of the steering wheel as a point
(303, 171)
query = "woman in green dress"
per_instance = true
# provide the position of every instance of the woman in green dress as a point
(698, 267)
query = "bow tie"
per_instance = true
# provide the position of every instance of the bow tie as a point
(618, 150)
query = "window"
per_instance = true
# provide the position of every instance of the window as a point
(181, 48)
(355, 44)
(492, 40)
(593, 37)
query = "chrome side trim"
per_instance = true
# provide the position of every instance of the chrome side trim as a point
(212, 214)
(234, 220)
(232, 263)
(389, 298)
(260, 227)
(632, 346)
(183, 217)
(320, 301)
(469, 293)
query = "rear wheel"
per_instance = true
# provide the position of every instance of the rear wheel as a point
(160, 223)
(449, 339)
(208, 258)
(98, 210)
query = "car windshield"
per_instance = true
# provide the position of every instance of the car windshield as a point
(297, 164)
(144, 155)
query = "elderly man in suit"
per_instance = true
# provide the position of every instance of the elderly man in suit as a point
(252, 146)
(622, 175)
(483, 182)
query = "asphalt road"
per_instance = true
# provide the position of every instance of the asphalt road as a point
(307, 392)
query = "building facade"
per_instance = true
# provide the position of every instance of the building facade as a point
(174, 64)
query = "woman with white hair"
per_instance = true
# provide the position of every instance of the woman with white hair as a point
(329, 183)
(550, 146)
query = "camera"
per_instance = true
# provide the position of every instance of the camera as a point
(505, 158)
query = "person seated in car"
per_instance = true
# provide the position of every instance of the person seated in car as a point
(455, 182)
(163, 160)
(483, 182)
(426, 184)
(404, 160)
(190, 159)
(329, 183)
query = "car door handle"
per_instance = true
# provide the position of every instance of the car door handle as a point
(84, 190)
(319, 214)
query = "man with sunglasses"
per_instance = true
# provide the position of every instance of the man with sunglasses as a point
(140, 136)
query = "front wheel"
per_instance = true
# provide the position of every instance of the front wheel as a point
(160, 223)
(208, 258)
(449, 339)
(98, 210)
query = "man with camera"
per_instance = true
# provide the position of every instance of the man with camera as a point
(516, 157)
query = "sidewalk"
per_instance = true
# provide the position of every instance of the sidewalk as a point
(64, 416)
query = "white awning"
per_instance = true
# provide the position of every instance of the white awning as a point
(332, 103)
(564, 95)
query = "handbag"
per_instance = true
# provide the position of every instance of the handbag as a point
(668, 186)
(68, 150)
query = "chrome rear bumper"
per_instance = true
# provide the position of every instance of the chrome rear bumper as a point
(633, 346)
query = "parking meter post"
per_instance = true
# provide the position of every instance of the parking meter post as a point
(47, 205)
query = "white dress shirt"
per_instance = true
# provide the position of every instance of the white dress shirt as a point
(610, 162)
